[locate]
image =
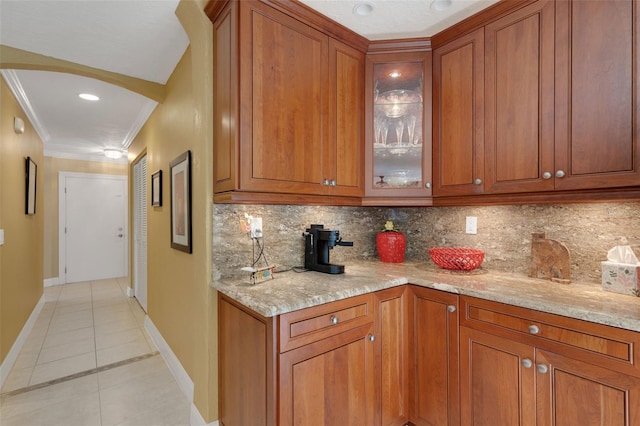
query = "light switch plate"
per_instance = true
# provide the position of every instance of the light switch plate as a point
(1, 237)
(472, 225)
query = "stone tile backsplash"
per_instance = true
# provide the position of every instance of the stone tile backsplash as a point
(504, 233)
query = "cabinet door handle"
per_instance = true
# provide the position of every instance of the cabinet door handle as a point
(451, 308)
(325, 182)
(546, 175)
(543, 369)
(534, 329)
(527, 363)
(333, 183)
(427, 185)
(478, 181)
(560, 174)
(334, 319)
(371, 338)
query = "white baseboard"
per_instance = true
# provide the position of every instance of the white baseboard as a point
(197, 420)
(12, 356)
(52, 281)
(179, 373)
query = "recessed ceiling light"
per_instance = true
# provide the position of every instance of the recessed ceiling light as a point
(395, 74)
(88, 97)
(113, 153)
(363, 9)
(439, 5)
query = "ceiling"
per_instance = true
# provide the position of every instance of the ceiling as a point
(144, 39)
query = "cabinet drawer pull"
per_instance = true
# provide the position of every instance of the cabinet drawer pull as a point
(451, 308)
(560, 174)
(527, 363)
(546, 175)
(534, 329)
(543, 369)
(371, 338)
(334, 319)
(478, 181)
(325, 182)
(333, 183)
(427, 185)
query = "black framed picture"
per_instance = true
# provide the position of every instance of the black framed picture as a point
(181, 202)
(30, 193)
(156, 189)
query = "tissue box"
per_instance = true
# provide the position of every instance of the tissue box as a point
(621, 278)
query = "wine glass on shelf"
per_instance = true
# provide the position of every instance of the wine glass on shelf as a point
(411, 128)
(384, 131)
(399, 130)
(377, 128)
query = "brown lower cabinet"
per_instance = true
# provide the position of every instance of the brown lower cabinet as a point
(529, 368)
(419, 356)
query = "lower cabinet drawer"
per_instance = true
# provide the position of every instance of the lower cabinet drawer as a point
(548, 330)
(306, 326)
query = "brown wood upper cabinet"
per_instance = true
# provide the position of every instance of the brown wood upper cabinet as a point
(458, 116)
(288, 106)
(597, 94)
(398, 125)
(542, 99)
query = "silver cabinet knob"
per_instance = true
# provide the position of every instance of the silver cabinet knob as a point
(546, 175)
(534, 329)
(334, 319)
(478, 181)
(333, 183)
(451, 308)
(560, 174)
(543, 369)
(371, 338)
(427, 185)
(527, 363)
(325, 182)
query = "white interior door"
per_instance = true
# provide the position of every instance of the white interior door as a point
(93, 226)
(140, 232)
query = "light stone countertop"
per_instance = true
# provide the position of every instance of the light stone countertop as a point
(291, 290)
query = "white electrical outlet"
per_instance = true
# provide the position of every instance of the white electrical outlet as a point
(472, 225)
(256, 227)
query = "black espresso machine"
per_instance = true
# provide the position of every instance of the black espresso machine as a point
(318, 242)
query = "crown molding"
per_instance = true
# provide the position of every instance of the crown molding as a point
(18, 92)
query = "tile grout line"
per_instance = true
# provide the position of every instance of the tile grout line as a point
(78, 375)
(95, 353)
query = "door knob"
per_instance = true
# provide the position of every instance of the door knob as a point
(334, 319)
(560, 174)
(120, 235)
(546, 175)
(478, 181)
(542, 368)
(527, 363)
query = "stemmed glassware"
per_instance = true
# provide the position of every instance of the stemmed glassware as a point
(399, 130)
(411, 128)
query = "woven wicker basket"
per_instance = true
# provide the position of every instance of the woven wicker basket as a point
(456, 258)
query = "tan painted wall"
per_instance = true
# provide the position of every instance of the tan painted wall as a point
(21, 277)
(181, 303)
(52, 166)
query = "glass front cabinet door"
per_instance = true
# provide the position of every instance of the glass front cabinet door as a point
(398, 133)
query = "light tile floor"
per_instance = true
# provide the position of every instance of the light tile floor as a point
(89, 361)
